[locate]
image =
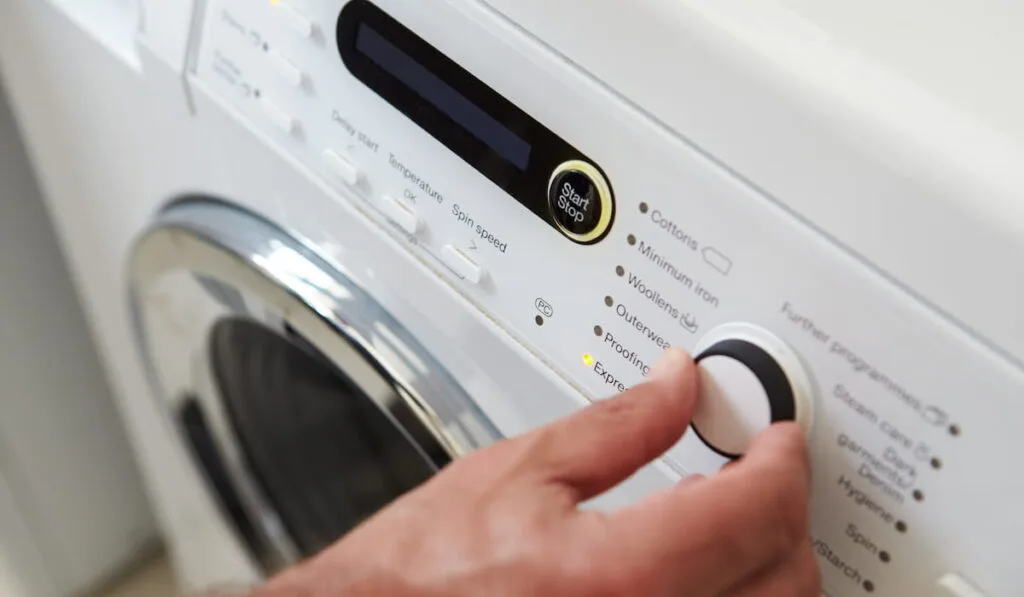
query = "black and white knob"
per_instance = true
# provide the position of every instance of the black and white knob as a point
(749, 380)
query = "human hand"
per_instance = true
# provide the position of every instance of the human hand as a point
(505, 520)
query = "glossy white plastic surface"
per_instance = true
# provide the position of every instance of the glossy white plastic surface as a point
(282, 120)
(400, 214)
(73, 510)
(289, 73)
(954, 585)
(865, 119)
(342, 167)
(103, 185)
(779, 171)
(294, 19)
(462, 264)
(703, 237)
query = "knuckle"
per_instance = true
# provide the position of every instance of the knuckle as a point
(539, 447)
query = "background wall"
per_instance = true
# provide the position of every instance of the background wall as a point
(72, 506)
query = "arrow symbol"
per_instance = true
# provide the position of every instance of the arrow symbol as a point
(472, 245)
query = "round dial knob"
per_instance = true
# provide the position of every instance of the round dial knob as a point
(749, 379)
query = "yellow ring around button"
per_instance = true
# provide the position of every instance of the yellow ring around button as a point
(604, 191)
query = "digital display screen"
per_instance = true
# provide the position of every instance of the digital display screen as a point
(442, 96)
(471, 120)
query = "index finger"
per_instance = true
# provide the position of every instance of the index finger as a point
(601, 446)
(711, 535)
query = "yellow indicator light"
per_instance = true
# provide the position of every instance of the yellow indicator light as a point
(275, 2)
(588, 359)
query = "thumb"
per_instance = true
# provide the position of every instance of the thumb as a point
(596, 449)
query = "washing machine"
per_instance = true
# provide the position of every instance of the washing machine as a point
(329, 247)
(73, 511)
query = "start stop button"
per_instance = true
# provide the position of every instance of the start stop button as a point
(581, 202)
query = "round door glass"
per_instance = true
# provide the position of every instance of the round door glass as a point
(306, 407)
(319, 448)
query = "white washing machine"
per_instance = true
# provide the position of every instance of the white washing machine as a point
(73, 509)
(330, 246)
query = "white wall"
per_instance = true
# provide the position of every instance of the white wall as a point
(71, 499)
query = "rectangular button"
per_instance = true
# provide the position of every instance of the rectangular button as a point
(281, 119)
(288, 71)
(462, 265)
(954, 585)
(295, 20)
(348, 172)
(400, 214)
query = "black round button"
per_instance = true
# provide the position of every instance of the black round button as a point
(580, 200)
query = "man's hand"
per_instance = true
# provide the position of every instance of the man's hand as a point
(504, 521)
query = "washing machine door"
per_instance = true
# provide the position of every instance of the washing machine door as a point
(305, 406)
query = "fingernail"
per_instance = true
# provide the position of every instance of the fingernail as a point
(669, 364)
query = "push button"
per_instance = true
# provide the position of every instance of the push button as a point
(288, 72)
(581, 203)
(400, 214)
(954, 585)
(342, 167)
(462, 265)
(278, 117)
(294, 20)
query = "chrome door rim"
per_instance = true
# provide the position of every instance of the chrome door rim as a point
(237, 251)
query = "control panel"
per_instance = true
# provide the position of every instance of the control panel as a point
(598, 238)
